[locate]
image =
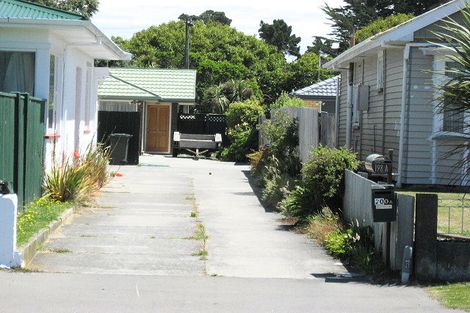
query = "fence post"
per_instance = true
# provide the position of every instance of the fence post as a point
(19, 147)
(426, 237)
(8, 213)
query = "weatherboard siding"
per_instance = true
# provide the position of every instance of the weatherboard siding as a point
(419, 122)
(343, 103)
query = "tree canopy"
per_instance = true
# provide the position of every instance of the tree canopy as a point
(208, 16)
(279, 34)
(83, 7)
(221, 54)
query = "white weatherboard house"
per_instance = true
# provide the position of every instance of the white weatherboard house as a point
(388, 100)
(50, 54)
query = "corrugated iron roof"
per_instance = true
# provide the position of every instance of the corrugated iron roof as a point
(169, 85)
(325, 88)
(18, 9)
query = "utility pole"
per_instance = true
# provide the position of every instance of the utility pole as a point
(188, 23)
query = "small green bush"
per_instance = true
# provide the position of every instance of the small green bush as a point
(352, 243)
(321, 182)
(285, 101)
(276, 183)
(282, 134)
(242, 118)
(337, 243)
(243, 139)
(296, 201)
(246, 112)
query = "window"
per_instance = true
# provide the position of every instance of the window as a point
(52, 94)
(454, 117)
(17, 71)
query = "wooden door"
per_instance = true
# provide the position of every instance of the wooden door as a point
(158, 128)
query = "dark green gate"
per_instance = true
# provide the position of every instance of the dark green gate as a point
(22, 132)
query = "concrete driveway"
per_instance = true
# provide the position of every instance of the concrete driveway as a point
(143, 226)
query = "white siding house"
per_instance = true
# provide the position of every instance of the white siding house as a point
(50, 54)
(388, 92)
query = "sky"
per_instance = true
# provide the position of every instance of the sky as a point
(124, 18)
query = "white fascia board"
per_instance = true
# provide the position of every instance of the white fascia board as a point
(86, 25)
(401, 33)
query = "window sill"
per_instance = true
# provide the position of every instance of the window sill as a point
(449, 135)
(52, 136)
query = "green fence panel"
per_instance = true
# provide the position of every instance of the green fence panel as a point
(34, 148)
(7, 138)
(22, 130)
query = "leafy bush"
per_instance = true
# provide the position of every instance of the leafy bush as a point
(243, 138)
(321, 182)
(285, 101)
(325, 170)
(295, 202)
(381, 24)
(276, 183)
(247, 112)
(242, 118)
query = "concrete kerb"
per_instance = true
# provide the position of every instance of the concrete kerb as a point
(29, 250)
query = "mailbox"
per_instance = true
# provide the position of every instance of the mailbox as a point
(384, 205)
(377, 164)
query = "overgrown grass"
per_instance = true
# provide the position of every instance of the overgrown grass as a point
(455, 296)
(450, 215)
(350, 243)
(38, 215)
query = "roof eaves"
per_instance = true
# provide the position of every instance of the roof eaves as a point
(146, 98)
(402, 32)
(101, 38)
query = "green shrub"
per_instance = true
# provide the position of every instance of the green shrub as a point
(323, 175)
(247, 112)
(296, 201)
(242, 118)
(243, 139)
(337, 243)
(282, 134)
(276, 183)
(321, 182)
(285, 101)
(352, 244)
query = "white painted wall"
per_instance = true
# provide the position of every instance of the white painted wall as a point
(68, 59)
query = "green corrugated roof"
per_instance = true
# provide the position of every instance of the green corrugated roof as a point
(149, 84)
(18, 9)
